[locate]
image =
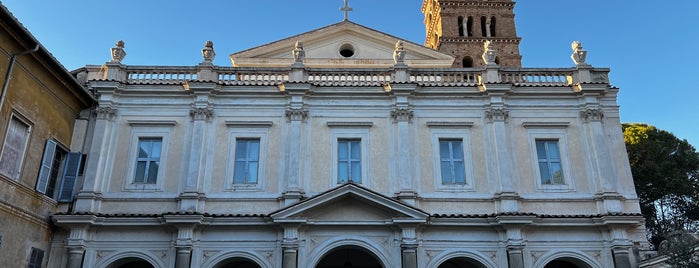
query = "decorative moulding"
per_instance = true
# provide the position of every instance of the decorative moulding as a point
(545, 124)
(152, 122)
(249, 123)
(350, 124)
(440, 124)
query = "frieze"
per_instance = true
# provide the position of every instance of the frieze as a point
(402, 115)
(496, 114)
(201, 113)
(590, 115)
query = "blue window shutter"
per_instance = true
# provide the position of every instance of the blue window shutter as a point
(45, 170)
(70, 177)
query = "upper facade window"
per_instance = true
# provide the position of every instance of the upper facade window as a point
(549, 157)
(451, 150)
(247, 161)
(247, 155)
(349, 152)
(451, 157)
(14, 147)
(349, 160)
(148, 160)
(549, 154)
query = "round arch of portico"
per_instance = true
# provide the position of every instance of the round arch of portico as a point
(450, 254)
(114, 257)
(326, 247)
(251, 256)
(568, 254)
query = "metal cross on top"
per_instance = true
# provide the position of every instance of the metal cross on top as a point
(346, 9)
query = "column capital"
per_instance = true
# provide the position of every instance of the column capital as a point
(496, 114)
(296, 114)
(106, 113)
(201, 113)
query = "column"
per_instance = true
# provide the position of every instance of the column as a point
(75, 244)
(290, 256)
(409, 246)
(515, 245)
(184, 256)
(621, 257)
(290, 245)
(75, 256)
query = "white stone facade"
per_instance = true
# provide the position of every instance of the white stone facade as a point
(395, 209)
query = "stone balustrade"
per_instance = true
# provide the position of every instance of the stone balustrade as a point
(349, 77)
(445, 77)
(552, 77)
(538, 77)
(160, 75)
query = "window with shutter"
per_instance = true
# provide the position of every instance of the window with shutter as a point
(71, 171)
(52, 170)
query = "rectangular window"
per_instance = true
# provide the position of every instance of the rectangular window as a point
(247, 161)
(349, 160)
(148, 160)
(13, 148)
(550, 166)
(451, 158)
(36, 258)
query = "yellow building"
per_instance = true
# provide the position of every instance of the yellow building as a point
(39, 110)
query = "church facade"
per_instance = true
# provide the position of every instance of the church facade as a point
(349, 147)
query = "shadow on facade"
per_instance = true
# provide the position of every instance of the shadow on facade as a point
(349, 256)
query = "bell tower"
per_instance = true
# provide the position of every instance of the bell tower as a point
(460, 27)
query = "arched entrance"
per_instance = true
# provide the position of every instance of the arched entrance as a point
(461, 262)
(349, 256)
(130, 262)
(567, 263)
(237, 262)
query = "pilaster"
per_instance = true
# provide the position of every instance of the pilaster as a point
(402, 117)
(101, 150)
(296, 116)
(202, 112)
(496, 116)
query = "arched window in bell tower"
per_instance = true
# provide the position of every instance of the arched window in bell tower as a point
(461, 26)
(467, 62)
(483, 26)
(469, 26)
(492, 26)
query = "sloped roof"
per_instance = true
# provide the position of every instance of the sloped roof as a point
(369, 202)
(371, 49)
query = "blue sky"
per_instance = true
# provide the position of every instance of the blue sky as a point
(649, 45)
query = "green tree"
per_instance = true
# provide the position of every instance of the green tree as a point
(666, 174)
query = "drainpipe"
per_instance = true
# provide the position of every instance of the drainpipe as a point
(9, 72)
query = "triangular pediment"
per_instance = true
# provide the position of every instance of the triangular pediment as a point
(369, 49)
(350, 203)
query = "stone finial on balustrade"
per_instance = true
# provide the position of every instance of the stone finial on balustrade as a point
(399, 53)
(118, 52)
(579, 54)
(489, 54)
(208, 52)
